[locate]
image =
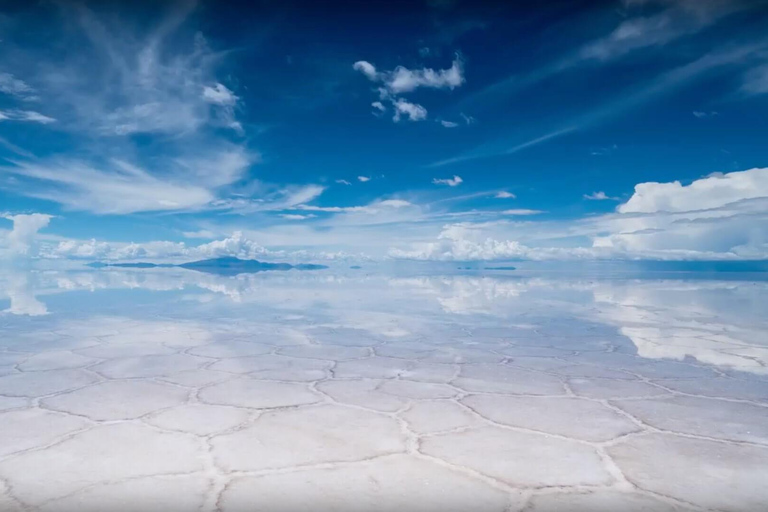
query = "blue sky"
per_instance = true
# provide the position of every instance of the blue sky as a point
(435, 130)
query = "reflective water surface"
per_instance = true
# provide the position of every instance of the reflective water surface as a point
(175, 390)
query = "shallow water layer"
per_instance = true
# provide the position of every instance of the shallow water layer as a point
(175, 390)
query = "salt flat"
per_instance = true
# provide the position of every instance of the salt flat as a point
(173, 390)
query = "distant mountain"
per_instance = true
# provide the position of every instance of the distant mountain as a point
(226, 266)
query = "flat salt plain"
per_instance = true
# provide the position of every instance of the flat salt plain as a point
(176, 390)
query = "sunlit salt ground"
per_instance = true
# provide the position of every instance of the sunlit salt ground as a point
(170, 390)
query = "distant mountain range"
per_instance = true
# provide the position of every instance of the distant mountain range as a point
(227, 266)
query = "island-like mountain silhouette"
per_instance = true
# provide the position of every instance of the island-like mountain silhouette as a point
(226, 265)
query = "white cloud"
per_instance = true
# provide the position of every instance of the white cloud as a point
(343, 182)
(127, 78)
(225, 102)
(703, 115)
(299, 195)
(522, 212)
(414, 111)
(406, 80)
(714, 191)
(464, 242)
(599, 196)
(677, 18)
(373, 208)
(131, 78)
(720, 217)
(452, 124)
(395, 203)
(366, 68)
(690, 225)
(280, 199)
(503, 194)
(117, 187)
(364, 178)
(25, 115)
(294, 216)
(25, 228)
(237, 245)
(13, 86)
(473, 155)
(451, 182)
(219, 95)
(402, 80)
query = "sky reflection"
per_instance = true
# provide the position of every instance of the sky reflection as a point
(716, 322)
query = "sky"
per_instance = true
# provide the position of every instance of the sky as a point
(435, 130)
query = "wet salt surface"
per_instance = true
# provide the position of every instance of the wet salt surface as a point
(173, 390)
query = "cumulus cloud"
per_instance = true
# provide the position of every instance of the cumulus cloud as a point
(503, 194)
(465, 242)
(237, 245)
(366, 68)
(714, 191)
(25, 228)
(451, 182)
(413, 111)
(402, 80)
(406, 80)
(364, 178)
(720, 217)
(448, 124)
